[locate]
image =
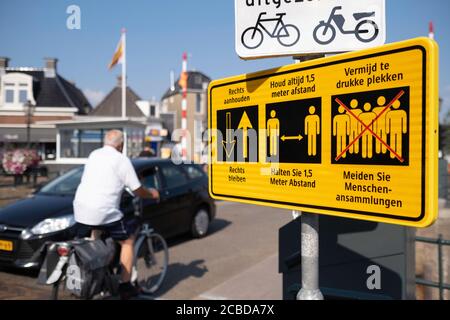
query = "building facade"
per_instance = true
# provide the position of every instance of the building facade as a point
(197, 111)
(137, 110)
(30, 98)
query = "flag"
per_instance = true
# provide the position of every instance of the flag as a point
(184, 76)
(118, 55)
(183, 80)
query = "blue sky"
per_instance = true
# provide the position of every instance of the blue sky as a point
(158, 33)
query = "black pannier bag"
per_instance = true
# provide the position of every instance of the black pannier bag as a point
(51, 259)
(87, 266)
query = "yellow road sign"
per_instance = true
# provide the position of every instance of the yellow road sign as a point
(354, 135)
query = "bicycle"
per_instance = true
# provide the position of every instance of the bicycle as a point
(328, 34)
(151, 258)
(286, 34)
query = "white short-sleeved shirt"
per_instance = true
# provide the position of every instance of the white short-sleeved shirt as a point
(105, 175)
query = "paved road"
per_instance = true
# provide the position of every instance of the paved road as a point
(242, 244)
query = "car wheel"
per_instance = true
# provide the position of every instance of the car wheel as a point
(200, 223)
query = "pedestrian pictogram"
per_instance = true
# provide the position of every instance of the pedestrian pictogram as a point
(341, 128)
(273, 132)
(367, 118)
(381, 126)
(375, 135)
(396, 127)
(354, 126)
(312, 130)
(353, 135)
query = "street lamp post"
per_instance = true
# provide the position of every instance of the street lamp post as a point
(30, 111)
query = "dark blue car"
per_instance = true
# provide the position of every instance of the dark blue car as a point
(184, 206)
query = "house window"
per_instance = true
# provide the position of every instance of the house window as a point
(152, 111)
(69, 143)
(9, 95)
(198, 103)
(79, 143)
(23, 96)
(17, 89)
(198, 143)
(198, 130)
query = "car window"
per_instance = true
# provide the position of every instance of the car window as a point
(66, 184)
(193, 172)
(173, 176)
(149, 178)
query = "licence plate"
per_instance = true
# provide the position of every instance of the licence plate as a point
(6, 245)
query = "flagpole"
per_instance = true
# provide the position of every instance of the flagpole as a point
(431, 30)
(124, 73)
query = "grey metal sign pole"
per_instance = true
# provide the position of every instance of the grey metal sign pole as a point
(309, 242)
(310, 257)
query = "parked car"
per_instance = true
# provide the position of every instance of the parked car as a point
(184, 206)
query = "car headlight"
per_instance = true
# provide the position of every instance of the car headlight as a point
(53, 224)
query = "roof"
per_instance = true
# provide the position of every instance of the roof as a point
(195, 82)
(55, 91)
(97, 122)
(111, 106)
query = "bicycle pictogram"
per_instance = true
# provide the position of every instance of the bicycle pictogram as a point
(365, 31)
(286, 34)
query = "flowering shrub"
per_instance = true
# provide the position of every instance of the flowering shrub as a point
(18, 161)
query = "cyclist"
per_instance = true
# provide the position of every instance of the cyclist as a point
(97, 201)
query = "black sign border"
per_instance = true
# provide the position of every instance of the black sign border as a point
(424, 142)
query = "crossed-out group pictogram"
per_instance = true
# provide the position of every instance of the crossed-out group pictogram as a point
(363, 125)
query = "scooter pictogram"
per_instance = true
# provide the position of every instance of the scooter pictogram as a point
(366, 30)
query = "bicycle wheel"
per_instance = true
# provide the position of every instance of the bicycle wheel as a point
(151, 263)
(289, 35)
(370, 33)
(252, 38)
(324, 33)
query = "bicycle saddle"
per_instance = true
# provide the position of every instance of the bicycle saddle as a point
(361, 15)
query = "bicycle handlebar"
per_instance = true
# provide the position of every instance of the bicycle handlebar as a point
(261, 14)
(278, 14)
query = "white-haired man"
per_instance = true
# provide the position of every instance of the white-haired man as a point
(97, 200)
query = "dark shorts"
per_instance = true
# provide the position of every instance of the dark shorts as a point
(119, 230)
